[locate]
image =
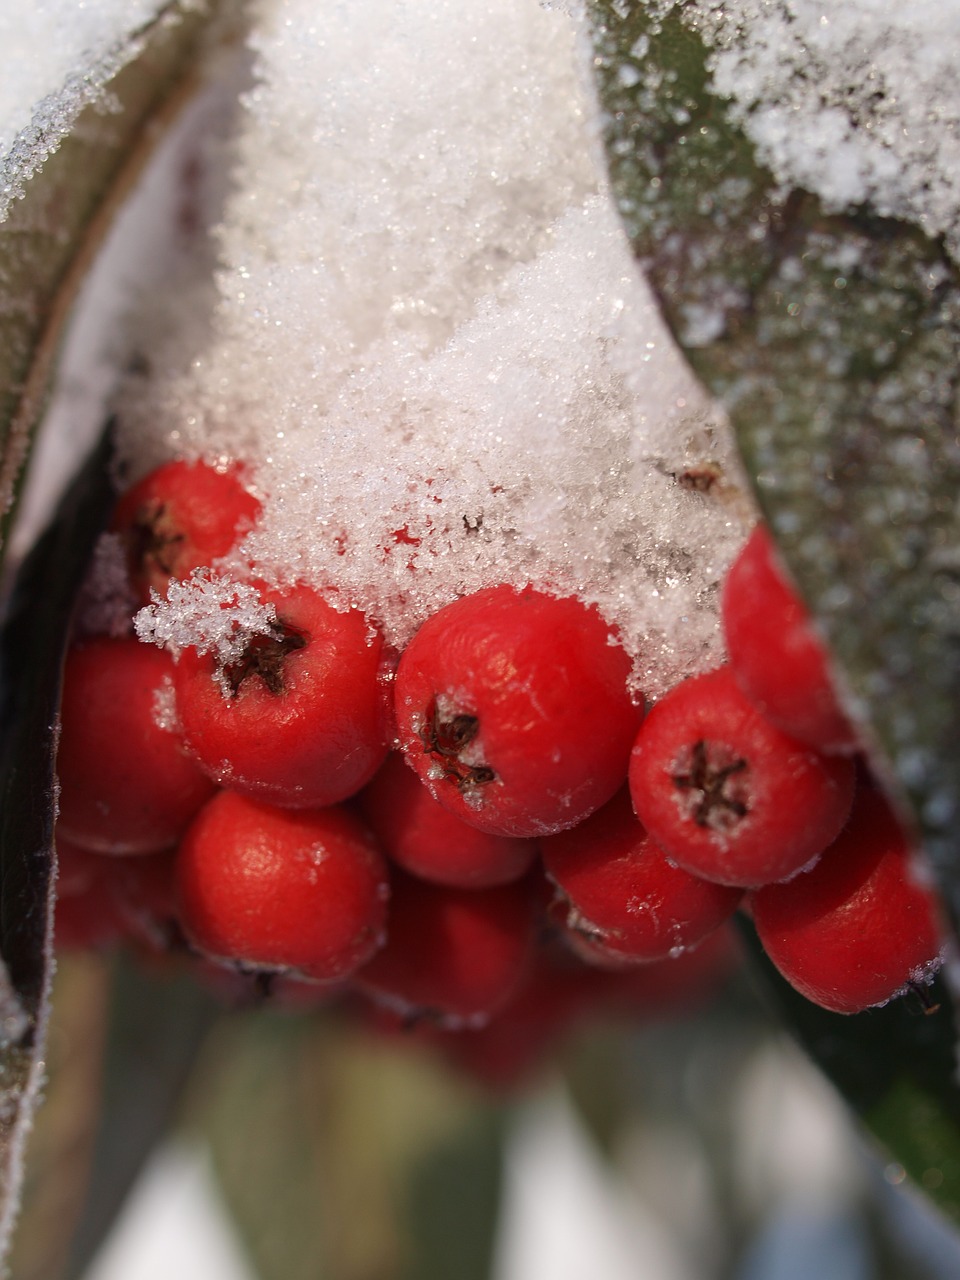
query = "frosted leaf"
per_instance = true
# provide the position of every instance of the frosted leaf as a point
(835, 346)
(46, 82)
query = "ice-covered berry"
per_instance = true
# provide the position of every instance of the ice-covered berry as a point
(302, 718)
(179, 517)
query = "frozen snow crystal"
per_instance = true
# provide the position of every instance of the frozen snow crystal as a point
(208, 612)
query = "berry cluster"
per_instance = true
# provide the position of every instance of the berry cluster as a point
(486, 818)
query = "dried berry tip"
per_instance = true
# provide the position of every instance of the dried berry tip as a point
(716, 807)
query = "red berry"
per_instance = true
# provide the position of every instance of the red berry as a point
(778, 658)
(127, 785)
(429, 841)
(452, 955)
(728, 796)
(267, 888)
(858, 928)
(622, 892)
(302, 718)
(179, 517)
(512, 707)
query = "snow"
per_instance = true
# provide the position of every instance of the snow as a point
(856, 102)
(430, 341)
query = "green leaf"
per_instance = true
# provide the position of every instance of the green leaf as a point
(156, 1025)
(833, 343)
(343, 1157)
(49, 236)
(61, 1141)
(896, 1066)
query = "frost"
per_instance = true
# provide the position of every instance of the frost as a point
(208, 612)
(48, 80)
(855, 102)
(107, 600)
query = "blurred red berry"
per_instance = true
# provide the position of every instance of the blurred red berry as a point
(85, 917)
(429, 841)
(858, 928)
(127, 784)
(103, 900)
(623, 893)
(454, 956)
(776, 654)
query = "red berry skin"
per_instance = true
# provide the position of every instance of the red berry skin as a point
(858, 928)
(179, 517)
(309, 721)
(429, 841)
(778, 658)
(728, 796)
(621, 890)
(512, 707)
(127, 784)
(454, 956)
(267, 888)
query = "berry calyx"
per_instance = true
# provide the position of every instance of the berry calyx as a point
(621, 891)
(512, 706)
(452, 956)
(127, 783)
(429, 841)
(274, 889)
(726, 794)
(857, 929)
(775, 652)
(302, 718)
(181, 516)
